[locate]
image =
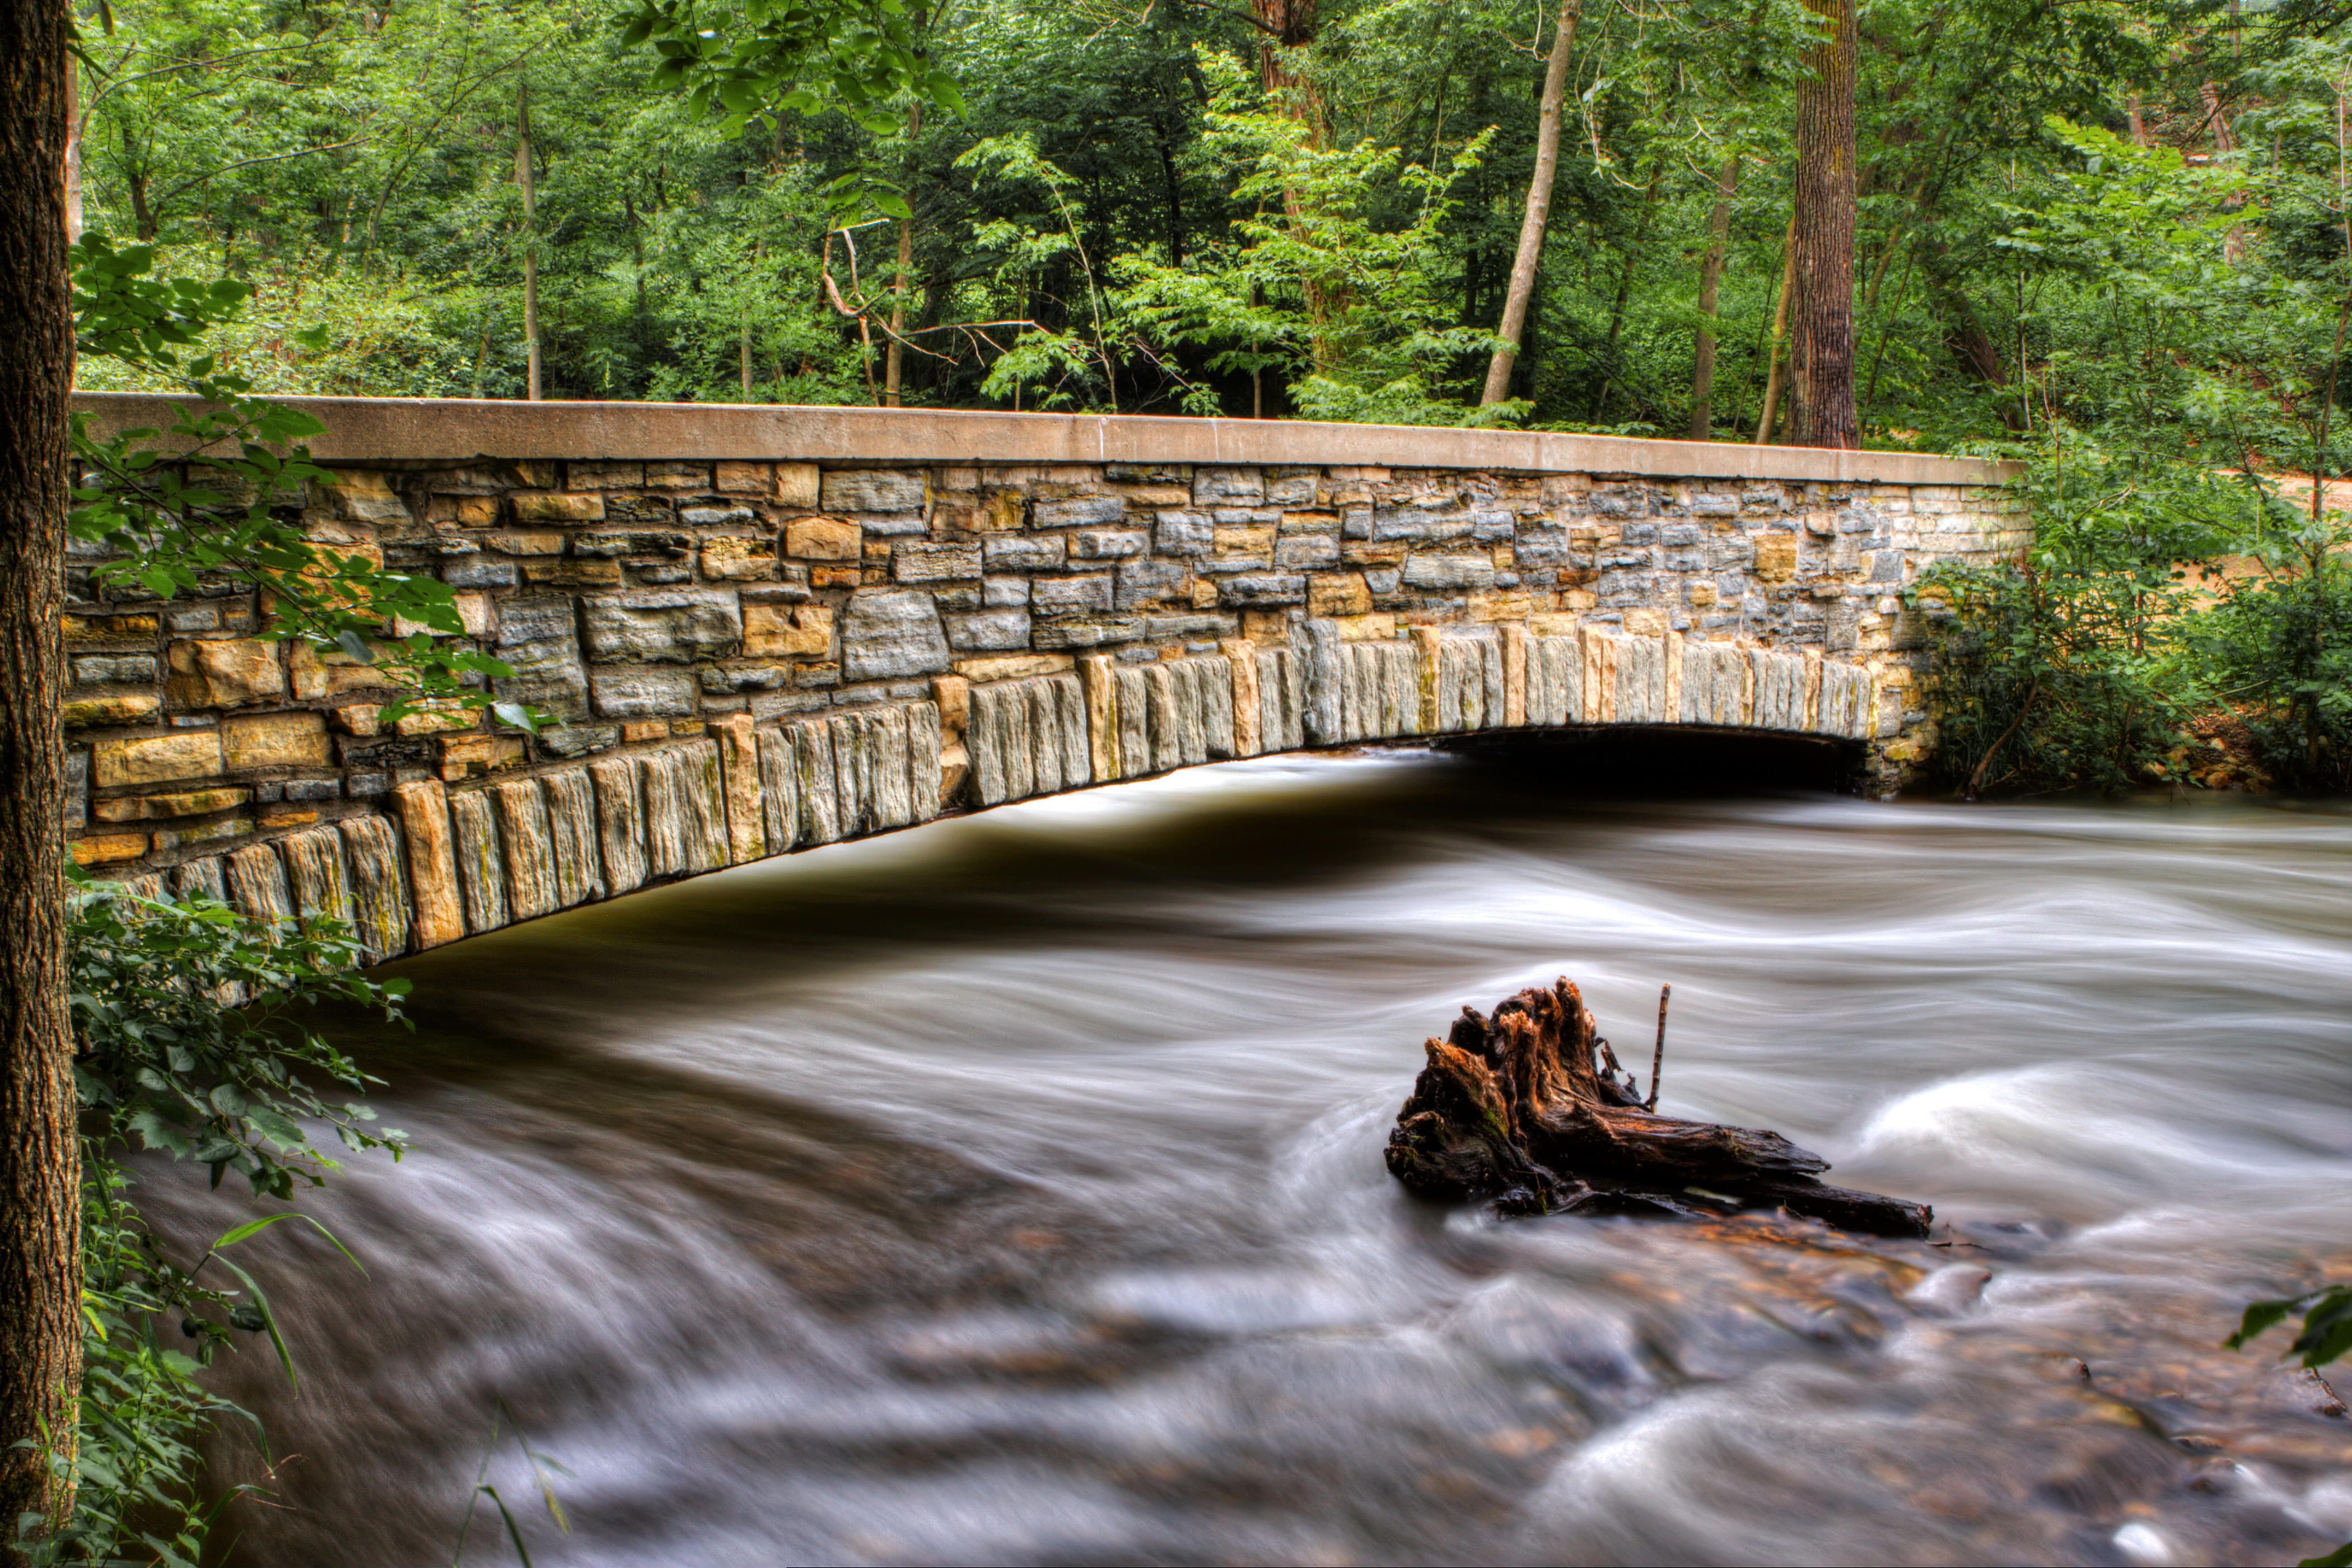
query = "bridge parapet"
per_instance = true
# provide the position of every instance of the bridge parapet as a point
(763, 629)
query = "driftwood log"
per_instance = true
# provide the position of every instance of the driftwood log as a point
(1516, 1108)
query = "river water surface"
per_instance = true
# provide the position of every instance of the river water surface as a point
(1010, 1191)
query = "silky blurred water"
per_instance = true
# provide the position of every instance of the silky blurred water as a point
(1010, 1191)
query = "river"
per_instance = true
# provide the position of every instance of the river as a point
(1010, 1191)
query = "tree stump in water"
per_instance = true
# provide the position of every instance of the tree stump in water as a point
(1516, 1108)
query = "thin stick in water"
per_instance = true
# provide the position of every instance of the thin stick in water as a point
(1658, 1055)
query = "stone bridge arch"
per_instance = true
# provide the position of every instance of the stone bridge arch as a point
(765, 629)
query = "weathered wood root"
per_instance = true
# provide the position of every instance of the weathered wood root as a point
(1514, 1109)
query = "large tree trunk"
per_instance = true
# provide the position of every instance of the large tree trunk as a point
(1822, 349)
(1710, 281)
(524, 177)
(1538, 208)
(40, 1199)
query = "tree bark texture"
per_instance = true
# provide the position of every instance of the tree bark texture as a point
(1516, 1108)
(1710, 282)
(40, 1203)
(1822, 351)
(524, 177)
(1538, 208)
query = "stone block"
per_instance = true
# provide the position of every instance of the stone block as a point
(537, 637)
(222, 674)
(1420, 524)
(1256, 588)
(1333, 593)
(873, 490)
(1087, 632)
(729, 680)
(676, 625)
(1023, 552)
(678, 476)
(1183, 533)
(1228, 485)
(1776, 556)
(527, 506)
(108, 628)
(571, 573)
(888, 633)
(776, 631)
(478, 572)
(709, 513)
(156, 759)
(1294, 487)
(1108, 543)
(934, 563)
(606, 543)
(116, 708)
(158, 807)
(1148, 582)
(105, 848)
(989, 631)
(1305, 553)
(739, 768)
(101, 669)
(1085, 595)
(276, 741)
(1078, 511)
(648, 694)
(1448, 573)
(799, 484)
(820, 539)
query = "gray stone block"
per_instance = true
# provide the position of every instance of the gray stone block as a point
(1306, 551)
(1023, 552)
(1228, 485)
(478, 572)
(1183, 533)
(649, 694)
(717, 515)
(1264, 588)
(1078, 512)
(1449, 574)
(673, 626)
(1418, 524)
(932, 562)
(890, 634)
(1089, 595)
(873, 490)
(1108, 543)
(989, 631)
(1003, 593)
(610, 543)
(1543, 547)
(1088, 632)
(536, 638)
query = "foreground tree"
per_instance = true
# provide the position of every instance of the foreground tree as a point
(1821, 346)
(40, 1203)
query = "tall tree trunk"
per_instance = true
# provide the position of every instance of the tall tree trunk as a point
(1609, 377)
(894, 364)
(1538, 208)
(524, 177)
(2132, 118)
(1772, 381)
(1710, 280)
(40, 1172)
(1820, 357)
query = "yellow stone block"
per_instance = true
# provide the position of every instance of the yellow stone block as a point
(102, 848)
(772, 631)
(1776, 556)
(276, 741)
(1339, 594)
(820, 539)
(798, 484)
(123, 707)
(185, 802)
(542, 507)
(223, 674)
(108, 628)
(156, 759)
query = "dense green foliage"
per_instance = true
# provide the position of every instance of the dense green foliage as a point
(192, 1042)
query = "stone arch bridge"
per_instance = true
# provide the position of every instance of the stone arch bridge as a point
(764, 630)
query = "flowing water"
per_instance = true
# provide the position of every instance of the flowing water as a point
(1010, 1191)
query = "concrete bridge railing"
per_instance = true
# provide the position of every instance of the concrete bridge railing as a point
(762, 629)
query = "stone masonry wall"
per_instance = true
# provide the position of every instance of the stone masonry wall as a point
(744, 657)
